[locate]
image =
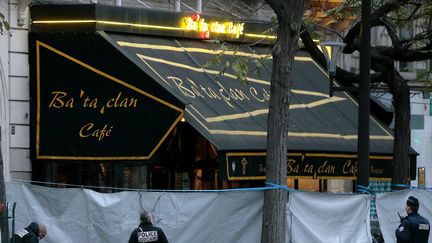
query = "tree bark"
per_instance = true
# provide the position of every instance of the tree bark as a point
(289, 14)
(402, 133)
(400, 90)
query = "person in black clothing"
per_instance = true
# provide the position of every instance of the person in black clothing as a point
(413, 228)
(32, 234)
(146, 232)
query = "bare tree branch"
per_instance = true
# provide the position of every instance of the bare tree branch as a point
(383, 10)
(392, 33)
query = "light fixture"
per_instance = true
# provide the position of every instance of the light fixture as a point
(332, 51)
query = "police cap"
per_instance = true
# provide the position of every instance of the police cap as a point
(412, 201)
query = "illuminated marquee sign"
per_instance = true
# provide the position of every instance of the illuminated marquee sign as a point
(196, 23)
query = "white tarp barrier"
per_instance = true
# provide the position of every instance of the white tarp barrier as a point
(81, 215)
(332, 218)
(389, 204)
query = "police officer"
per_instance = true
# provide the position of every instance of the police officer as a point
(146, 232)
(32, 234)
(413, 228)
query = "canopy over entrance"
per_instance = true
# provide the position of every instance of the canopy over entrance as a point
(116, 92)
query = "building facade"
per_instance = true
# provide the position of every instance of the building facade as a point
(14, 77)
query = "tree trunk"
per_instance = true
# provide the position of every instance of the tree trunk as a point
(400, 91)
(289, 14)
(383, 65)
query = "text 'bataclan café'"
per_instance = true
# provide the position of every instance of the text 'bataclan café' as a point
(126, 98)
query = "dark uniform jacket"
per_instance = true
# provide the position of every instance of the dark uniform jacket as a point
(146, 232)
(27, 235)
(413, 229)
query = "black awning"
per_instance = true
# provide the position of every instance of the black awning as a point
(233, 115)
(89, 102)
(112, 83)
